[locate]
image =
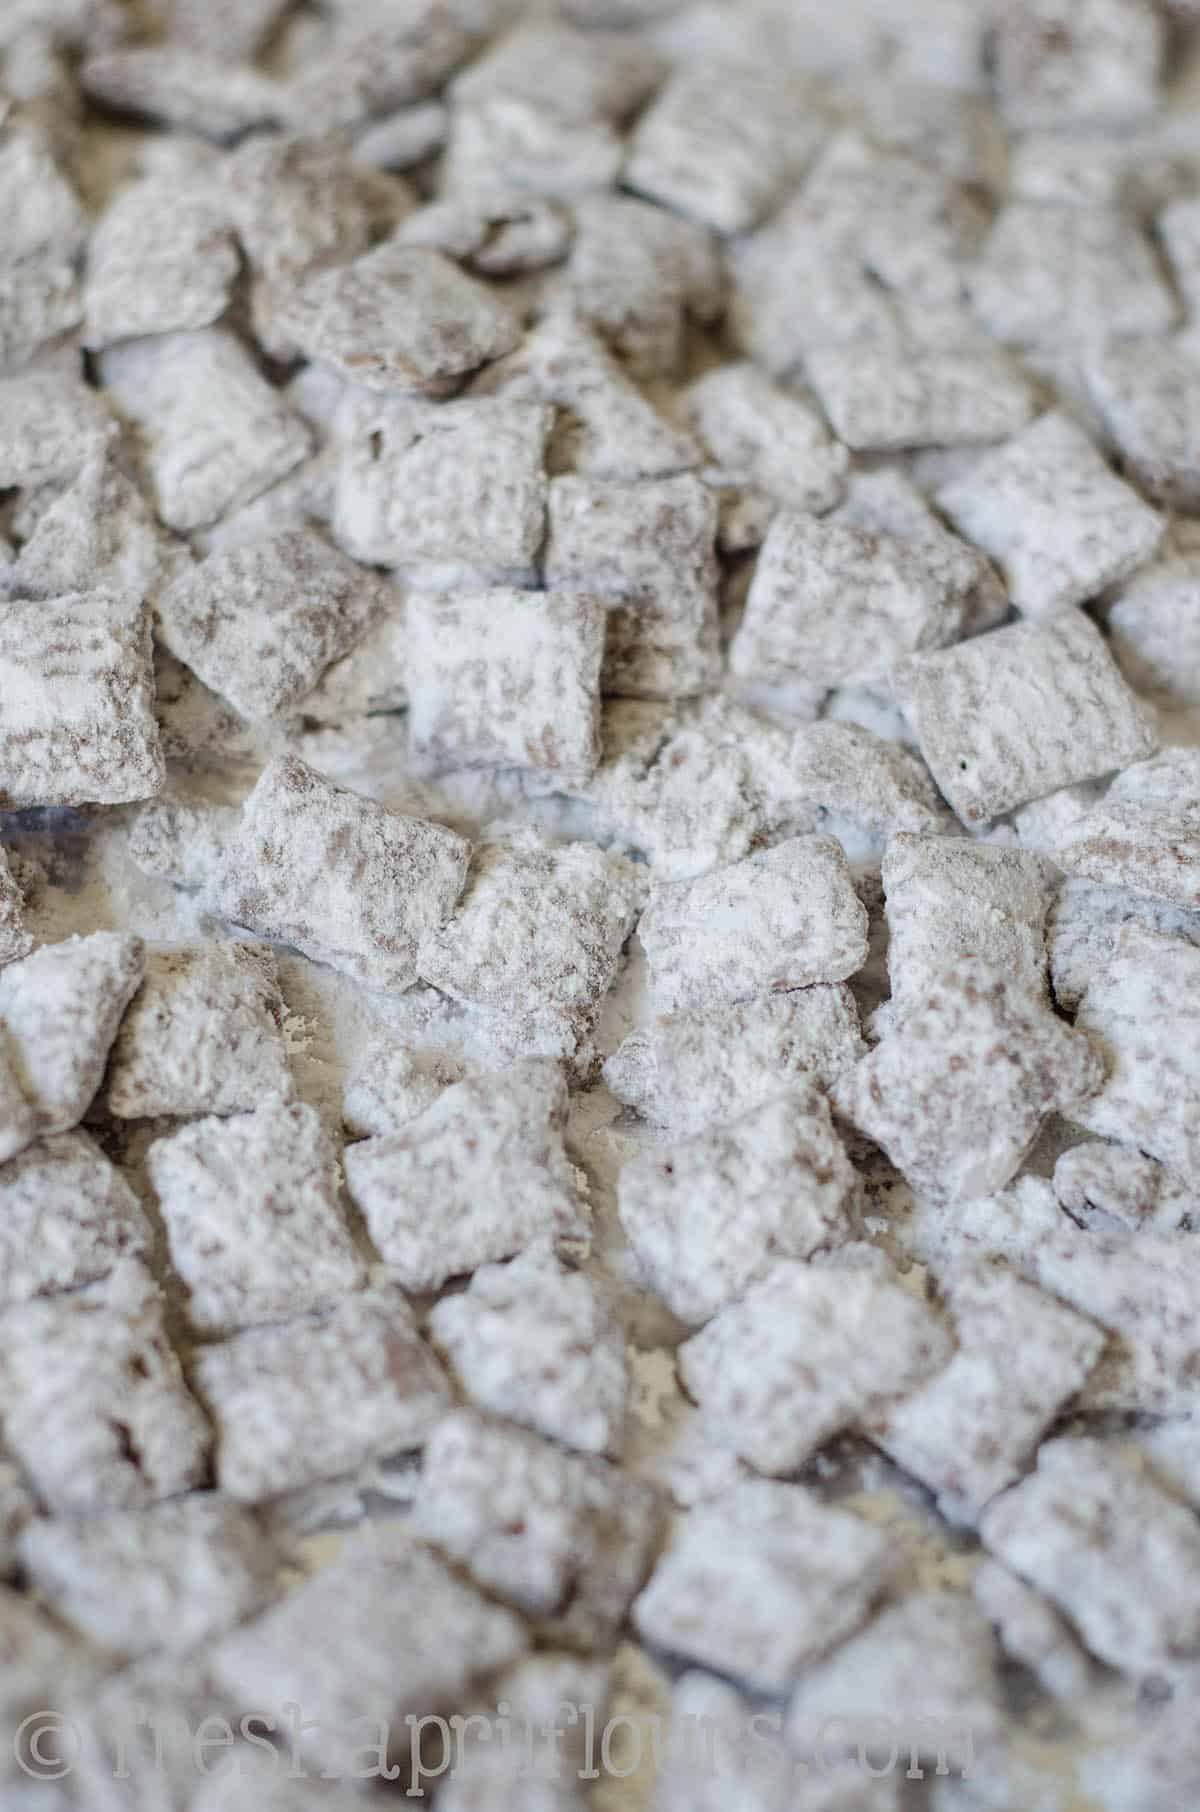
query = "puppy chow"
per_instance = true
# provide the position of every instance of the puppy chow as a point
(44, 218)
(762, 435)
(40, 303)
(1090, 63)
(1147, 393)
(1056, 275)
(637, 274)
(1144, 836)
(67, 1218)
(581, 76)
(1154, 631)
(1031, 1631)
(496, 234)
(879, 401)
(296, 204)
(391, 1085)
(160, 261)
(1087, 924)
(1116, 1188)
(184, 89)
(99, 534)
(846, 770)
(376, 60)
(506, 144)
(52, 424)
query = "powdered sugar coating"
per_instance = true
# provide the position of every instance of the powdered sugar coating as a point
(160, 261)
(1144, 837)
(1154, 630)
(67, 1217)
(762, 435)
(15, 941)
(848, 770)
(1053, 275)
(881, 400)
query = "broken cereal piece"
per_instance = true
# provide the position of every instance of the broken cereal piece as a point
(762, 435)
(1144, 836)
(709, 1217)
(160, 261)
(67, 1217)
(846, 770)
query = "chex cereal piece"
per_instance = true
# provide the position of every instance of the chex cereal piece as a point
(496, 235)
(168, 1577)
(203, 1035)
(52, 424)
(840, 604)
(67, 1217)
(927, 1666)
(1154, 631)
(721, 144)
(184, 89)
(15, 941)
(951, 896)
(1055, 275)
(401, 318)
(506, 143)
(1116, 1188)
(880, 401)
(505, 678)
(458, 483)
(688, 1070)
(849, 771)
(93, 1399)
(1031, 1631)
(996, 1061)
(491, 1147)
(808, 1352)
(1011, 716)
(536, 939)
(1144, 836)
(375, 62)
(392, 1085)
(647, 552)
(1060, 524)
(536, 1342)
(784, 918)
(762, 435)
(709, 1217)
(607, 429)
(42, 212)
(60, 1009)
(296, 203)
(1090, 63)
(216, 433)
(99, 535)
(1086, 927)
(637, 273)
(78, 723)
(261, 622)
(1078, 1530)
(562, 1536)
(386, 1632)
(585, 77)
(319, 1396)
(159, 261)
(1147, 393)
(251, 1210)
(1021, 1357)
(344, 880)
(41, 302)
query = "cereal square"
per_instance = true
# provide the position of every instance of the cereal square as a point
(885, 399)
(1147, 393)
(1056, 275)
(637, 274)
(67, 1217)
(52, 424)
(98, 535)
(1067, 64)
(160, 261)
(846, 770)
(762, 435)
(1154, 631)
(1144, 836)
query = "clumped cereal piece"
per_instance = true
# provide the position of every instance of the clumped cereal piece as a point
(1154, 631)
(320, 1396)
(386, 1632)
(160, 261)
(808, 1352)
(1055, 275)
(688, 1070)
(536, 940)
(67, 1217)
(880, 400)
(840, 604)
(168, 1577)
(1078, 63)
(536, 1342)
(1078, 1530)
(581, 76)
(261, 622)
(250, 1204)
(15, 941)
(1021, 1357)
(1144, 837)
(647, 552)
(94, 1403)
(1047, 508)
(560, 1535)
(1148, 395)
(849, 771)
(490, 1152)
(184, 89)
(1114, 1187)
(782, 919)
(392, 1085)
(637, 273)
(216, 434)
(78, 723)
(798, 1577)
(994, 1059)
(762, 435)
(709, 1217)
(505, 678)
(1030, 1630)
(203, 1035)
(1011, 716)
(52, 424)
(459, 483)
(347, 882)
(99, 535)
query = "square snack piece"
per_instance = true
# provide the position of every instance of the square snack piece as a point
(1047, 508)
(637, 273)
(562, 1536)
(260, 622)
(252, 1216)
(216, 434)
(848, 771)
(1144, 836)
(797, 1577)
(52, 424)
(957, 1090)
(344, 880)
(762, 435)
(1021, 1357)
(489, 1153)
(1148, 395)
(1116, 1553)
(169, 1577)
(689, 1070)
(319, 1397)
(782, 919)
(99, 535)
(647, 552)
(1058, 276)
(1017, 714)
(811, 1350)
(1063, 64)
(77, 681)
(93, 1399)
(161, 259)
(459, 483)
(536, 1342)
(506, 679)
(67, 1217)
(203, 1034)
(1154, 631)
(884, 399)
(709, 1217)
